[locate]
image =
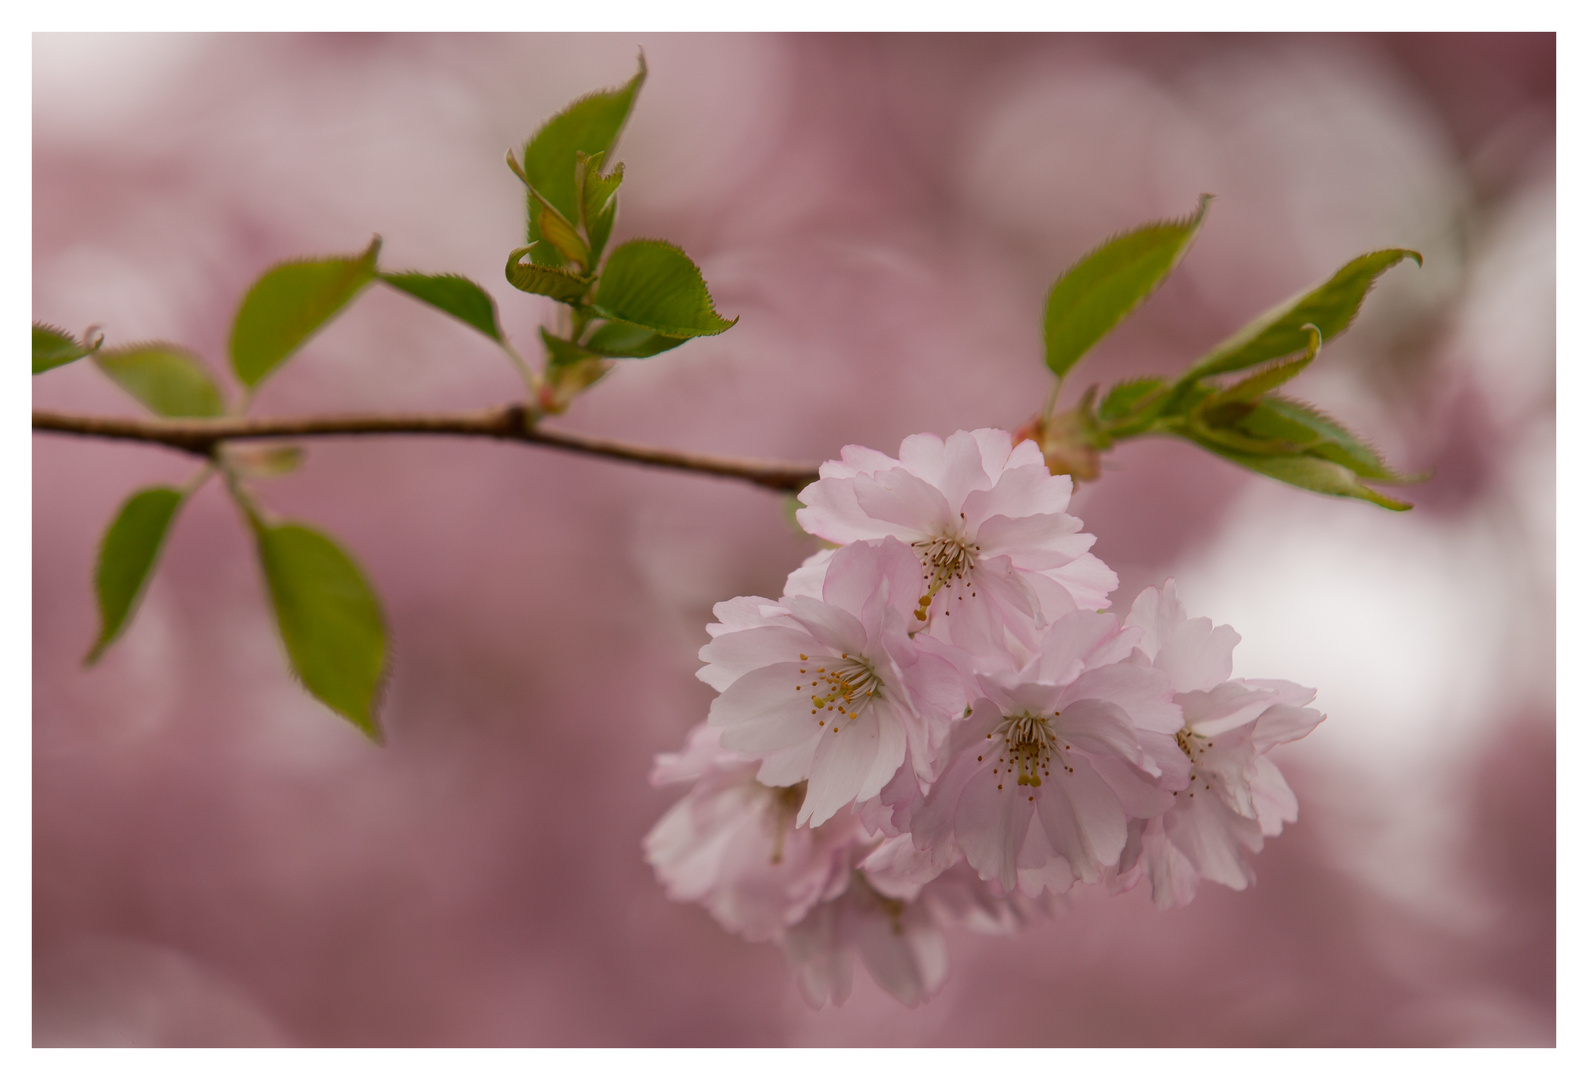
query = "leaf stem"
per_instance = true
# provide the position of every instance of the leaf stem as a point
(256, 515)
(198, 479)
(1053, 398)
(525, 372)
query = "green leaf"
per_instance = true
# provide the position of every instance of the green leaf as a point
(653, 284)
(1232, 438)
(1123, 398)
(625, 340)
(329, 619)
(288, 304)
(590, 125)
(600, 202)
(1092, 296)
(53, 347)
(1281, 331)
(560, 352)
(168, 379)
(1311, 473)
(561, 285)
(562, 235)
(1270, 377)
(452, 293)
(1277, 417)
(1227, 406)
(126, 556)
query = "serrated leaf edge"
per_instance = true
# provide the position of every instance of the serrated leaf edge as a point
(1191, 224)
(1192, 221)
(637, 81)
(1396, 479)
(87, 348)
(385, 276)
(514, 262)
(711, 303)
(1267, 318)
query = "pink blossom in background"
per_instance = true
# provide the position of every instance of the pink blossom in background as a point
(219, 860)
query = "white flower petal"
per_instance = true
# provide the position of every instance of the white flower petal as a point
(990, 825)
(763, 711)
(1082, 819)
(729, 657)
(861, 754)
(1276, 804)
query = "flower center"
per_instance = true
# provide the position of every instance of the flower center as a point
(840, 688)
(1193, 746)
(1029, 748)
(943, 559)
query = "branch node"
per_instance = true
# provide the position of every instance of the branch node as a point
(516, 421)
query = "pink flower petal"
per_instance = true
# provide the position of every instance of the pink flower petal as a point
(1198, 655)
(904, 505)
(763, 710)
(853, 763)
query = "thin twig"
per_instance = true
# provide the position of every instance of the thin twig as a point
(510, 423)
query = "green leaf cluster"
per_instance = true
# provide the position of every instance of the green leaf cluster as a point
(558, 180)
(1246, 420)
(328, 616)
(645, 298)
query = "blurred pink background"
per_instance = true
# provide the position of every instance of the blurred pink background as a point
(217, 859)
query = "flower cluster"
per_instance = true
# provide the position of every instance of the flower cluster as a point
(938, 721)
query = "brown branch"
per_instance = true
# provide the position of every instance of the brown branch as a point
(511, 423)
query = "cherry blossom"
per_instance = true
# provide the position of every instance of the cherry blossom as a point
(892, 914)
(998, 554)
(900, 943)
(730, 844)
(1044, 775)
(834, 691)
(1233, 795)
(943, 880)
(934, 724)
